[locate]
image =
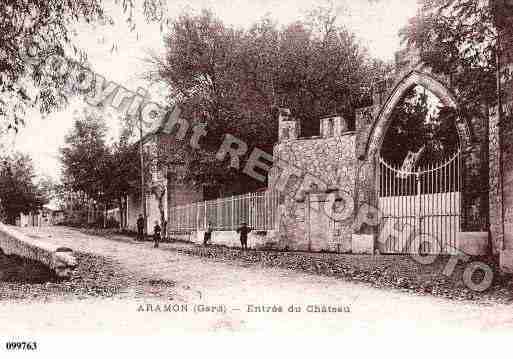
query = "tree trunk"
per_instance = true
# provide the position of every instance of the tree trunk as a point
(162, 214)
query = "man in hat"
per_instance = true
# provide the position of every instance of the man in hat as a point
(244, 230)
(140, 228)
(208, 234)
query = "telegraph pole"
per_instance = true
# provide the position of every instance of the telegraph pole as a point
(143, 191)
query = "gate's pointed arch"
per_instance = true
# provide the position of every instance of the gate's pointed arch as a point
(413, 78)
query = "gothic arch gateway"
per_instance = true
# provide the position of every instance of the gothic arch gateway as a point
(373, 123)
(413, 78)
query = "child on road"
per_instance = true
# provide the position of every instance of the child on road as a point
(156, 234)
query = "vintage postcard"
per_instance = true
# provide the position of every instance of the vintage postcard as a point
(258, 169)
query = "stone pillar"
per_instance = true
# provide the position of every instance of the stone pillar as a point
(288, 127)
(365, 189)
(495, 183)
(333, 126)
(506, 128)
(506, 139)
(474, 174)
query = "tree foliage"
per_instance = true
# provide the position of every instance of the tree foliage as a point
(458, 38)
(48, 187)
(46, 23)
(18, 191)
(47, 28)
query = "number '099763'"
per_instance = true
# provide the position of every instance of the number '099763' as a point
(21, 346)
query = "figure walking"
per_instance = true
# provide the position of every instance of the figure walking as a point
(244, 230)
(140, 228)
(156, 234)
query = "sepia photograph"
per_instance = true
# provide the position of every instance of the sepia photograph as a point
(199, 177)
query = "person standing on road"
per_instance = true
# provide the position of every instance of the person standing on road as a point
(156, 234)
(140, 228)
(208, 234)
(244, 230)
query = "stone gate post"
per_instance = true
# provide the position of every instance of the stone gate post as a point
(501, 140)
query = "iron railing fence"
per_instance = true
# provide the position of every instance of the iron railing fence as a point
(258, 210)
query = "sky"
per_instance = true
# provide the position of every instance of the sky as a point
(375, 22)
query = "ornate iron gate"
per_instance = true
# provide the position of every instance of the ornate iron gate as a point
(420, 209)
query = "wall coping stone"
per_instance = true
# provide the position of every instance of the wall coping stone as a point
(347, 133)
(60, 259)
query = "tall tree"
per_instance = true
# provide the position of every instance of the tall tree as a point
(85, 155)
(105, 173)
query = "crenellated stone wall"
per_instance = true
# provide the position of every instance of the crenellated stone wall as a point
(324, 164)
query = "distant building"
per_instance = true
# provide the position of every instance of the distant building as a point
(46, 216)
(176, 191)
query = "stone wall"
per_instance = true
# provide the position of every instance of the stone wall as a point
(331, 160)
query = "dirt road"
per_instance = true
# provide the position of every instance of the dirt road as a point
(238, 299)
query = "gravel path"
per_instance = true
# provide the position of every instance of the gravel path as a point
(95, 277)
(238, 290)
